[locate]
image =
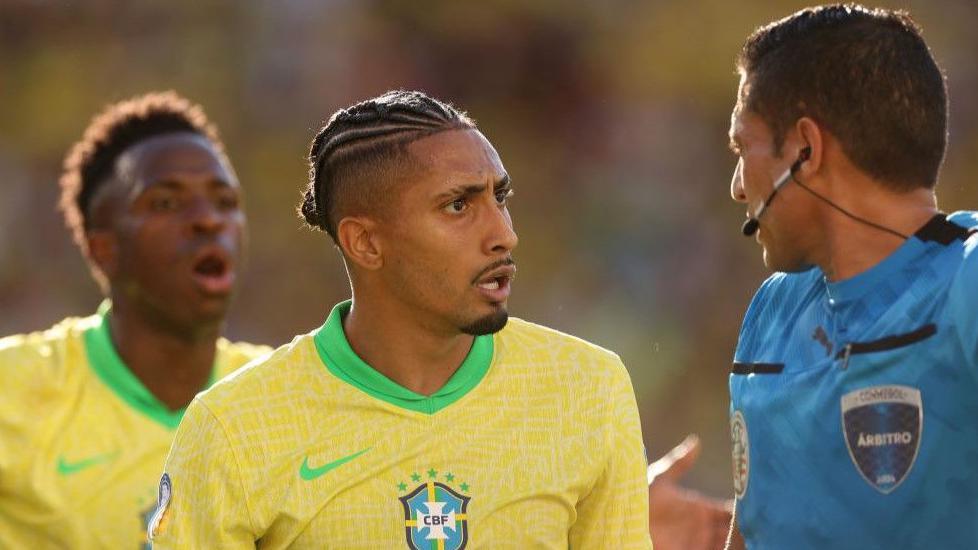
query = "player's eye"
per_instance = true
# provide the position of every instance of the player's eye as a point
(503, 195)
(228, 201)
(163, 203)
(457, 206)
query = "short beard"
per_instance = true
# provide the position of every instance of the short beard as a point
(490, 324)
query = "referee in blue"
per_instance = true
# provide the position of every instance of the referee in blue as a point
(854, 390)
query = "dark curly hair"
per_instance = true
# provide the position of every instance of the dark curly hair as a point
(91, 161)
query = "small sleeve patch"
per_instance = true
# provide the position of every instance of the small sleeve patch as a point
(158, 521)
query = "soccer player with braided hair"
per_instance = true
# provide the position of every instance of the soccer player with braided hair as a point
(419, 415)
(90, 405)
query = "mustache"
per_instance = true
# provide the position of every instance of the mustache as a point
(494, 265)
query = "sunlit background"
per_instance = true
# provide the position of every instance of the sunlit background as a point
(610, 115)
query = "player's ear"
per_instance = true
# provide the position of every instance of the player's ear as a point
(358, 239)
(810, 136)
(103, 251)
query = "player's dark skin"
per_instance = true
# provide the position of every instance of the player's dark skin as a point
(166, 231)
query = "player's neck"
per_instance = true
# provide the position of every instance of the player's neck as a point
(419, 358)
(170, 365)
(850, 247)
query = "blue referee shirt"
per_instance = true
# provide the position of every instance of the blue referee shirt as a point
(854, 404)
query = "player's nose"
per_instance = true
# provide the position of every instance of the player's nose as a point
(206, 217)
(502, 236)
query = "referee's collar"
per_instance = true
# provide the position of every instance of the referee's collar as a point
(937, 230)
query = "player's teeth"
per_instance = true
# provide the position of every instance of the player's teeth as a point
(490, 285)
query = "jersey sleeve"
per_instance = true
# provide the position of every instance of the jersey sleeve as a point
(205, 504)
(758, 315)
(32, 368)
(615, 512)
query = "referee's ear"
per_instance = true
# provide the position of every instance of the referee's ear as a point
(357, 238)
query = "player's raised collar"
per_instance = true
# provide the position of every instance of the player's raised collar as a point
(340, 359)
(113, 372)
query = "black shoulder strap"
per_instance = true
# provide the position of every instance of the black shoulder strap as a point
(941, 230)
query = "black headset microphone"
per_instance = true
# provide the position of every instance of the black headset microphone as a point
(753, 224)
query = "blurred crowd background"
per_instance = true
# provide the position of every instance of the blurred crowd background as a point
(611, 116)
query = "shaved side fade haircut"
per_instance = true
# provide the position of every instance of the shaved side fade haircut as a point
(355, 156)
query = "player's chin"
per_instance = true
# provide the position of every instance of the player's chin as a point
(490, 323)
(210, 308)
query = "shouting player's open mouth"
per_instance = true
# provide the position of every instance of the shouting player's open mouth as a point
(213, 271)
(495, 285)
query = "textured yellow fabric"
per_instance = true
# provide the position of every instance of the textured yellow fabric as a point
(78, 465)
(547, 450)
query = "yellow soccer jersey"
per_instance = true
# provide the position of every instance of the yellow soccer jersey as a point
(82, 441)
(535, 442)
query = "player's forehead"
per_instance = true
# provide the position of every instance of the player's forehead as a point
(180, 158)
(458, 156)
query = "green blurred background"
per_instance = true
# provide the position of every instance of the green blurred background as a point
(611, 116)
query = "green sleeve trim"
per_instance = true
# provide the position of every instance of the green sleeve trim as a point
(340, 359)
(113, 372)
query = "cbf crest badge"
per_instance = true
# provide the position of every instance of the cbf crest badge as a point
(882, 427)
(435, 514)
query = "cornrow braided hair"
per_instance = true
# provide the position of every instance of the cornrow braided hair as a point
(91, 161)
(368, 133)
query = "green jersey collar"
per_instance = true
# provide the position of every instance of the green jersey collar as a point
(109, 367)
(340, 359)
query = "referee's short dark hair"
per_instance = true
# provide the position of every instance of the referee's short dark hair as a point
(865, 75)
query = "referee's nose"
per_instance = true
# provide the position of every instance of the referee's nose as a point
(737, 183)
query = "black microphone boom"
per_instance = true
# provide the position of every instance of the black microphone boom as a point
(750, 227)
(753, 224)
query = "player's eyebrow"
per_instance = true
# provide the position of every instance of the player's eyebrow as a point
(467, 190)
(176, 184)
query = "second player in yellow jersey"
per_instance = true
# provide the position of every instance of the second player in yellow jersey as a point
(81, 439)
(89, 407)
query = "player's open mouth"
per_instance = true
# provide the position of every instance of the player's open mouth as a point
(495, 285)
(213, 272)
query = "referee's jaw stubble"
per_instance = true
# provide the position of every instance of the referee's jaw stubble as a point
(781, 231)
